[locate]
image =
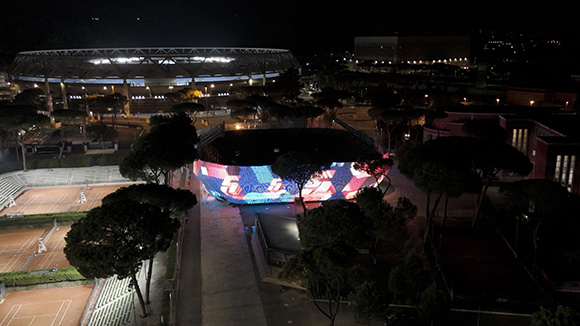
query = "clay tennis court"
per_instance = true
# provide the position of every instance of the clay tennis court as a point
(54, 256)
(16, 246)
(57, 306)
(45, 307)
(59, 199)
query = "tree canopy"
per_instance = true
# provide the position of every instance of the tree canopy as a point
(376, 165)
(558, 316)
(337, 220)
(111, 103)
(169, 145)
(191, 108)
(324, 271)
(541, 204)
(21, 120)
(114, 239)
(299, 167)
(167, 198)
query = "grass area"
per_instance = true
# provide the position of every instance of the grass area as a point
(183, 179)
(28, 278)
(165, 308)
(169, 275)
(171, 259)
(69, 161)
(40, 220)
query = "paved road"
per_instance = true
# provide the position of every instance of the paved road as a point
(219, 282)
(188, 278)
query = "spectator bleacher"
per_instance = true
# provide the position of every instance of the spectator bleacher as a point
(10, 187)
(115, 304)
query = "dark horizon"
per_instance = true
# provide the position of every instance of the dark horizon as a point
(302, 27)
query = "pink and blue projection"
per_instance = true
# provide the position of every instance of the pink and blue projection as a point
(258, 185)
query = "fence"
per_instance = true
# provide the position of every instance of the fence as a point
(3, 291)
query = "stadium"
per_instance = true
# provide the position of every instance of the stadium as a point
(235, 166)
(147, 74)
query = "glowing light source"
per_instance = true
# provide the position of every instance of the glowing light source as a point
(258, 185)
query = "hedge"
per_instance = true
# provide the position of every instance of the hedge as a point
(39, 220)
(27, 278)
(65, 162)
(110, 160)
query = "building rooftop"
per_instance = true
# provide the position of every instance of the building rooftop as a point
(504, 110)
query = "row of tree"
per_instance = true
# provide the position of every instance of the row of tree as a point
(331, 267)
(448, 167)
(136, 222)
(131, 226)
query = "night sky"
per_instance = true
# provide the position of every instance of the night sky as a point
(304, 27)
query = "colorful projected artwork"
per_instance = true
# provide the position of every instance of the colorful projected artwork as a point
(258, 185)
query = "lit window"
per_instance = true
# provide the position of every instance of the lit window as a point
(520, 139)
(557, 171)
(564, 170)
(571, 172)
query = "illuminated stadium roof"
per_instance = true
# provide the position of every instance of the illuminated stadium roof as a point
(140, 66)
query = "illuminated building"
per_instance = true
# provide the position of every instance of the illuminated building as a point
(548, 137)
(236, 166)
(146, 73)
(413, 49)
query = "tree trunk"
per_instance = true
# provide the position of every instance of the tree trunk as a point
(445, 212)
(535, 241)
(23, 156)
(61, 144)
(139, 295)
(479, 203)
(386, 189)
(302, 201)
(388, 140)
(428, 205)
(429, 221)
(148, 284)
(480, 200)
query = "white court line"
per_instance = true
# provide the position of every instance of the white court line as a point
(58, 312)
(65, 312)
(8, 314)
(15, 313)
(52, 253)
(20, 252)
(15, 317)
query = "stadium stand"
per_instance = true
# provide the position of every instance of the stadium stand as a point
(115, 304)
(10, 187)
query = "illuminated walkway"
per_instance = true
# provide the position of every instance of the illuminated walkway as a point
(217, 284)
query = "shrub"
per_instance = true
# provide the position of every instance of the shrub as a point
(40, 220)
(79, 161)
(27, 278)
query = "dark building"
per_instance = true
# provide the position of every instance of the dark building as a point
(550, 139)
(413, 49)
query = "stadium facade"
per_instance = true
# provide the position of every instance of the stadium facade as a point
(235, 166)
(145, 72)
